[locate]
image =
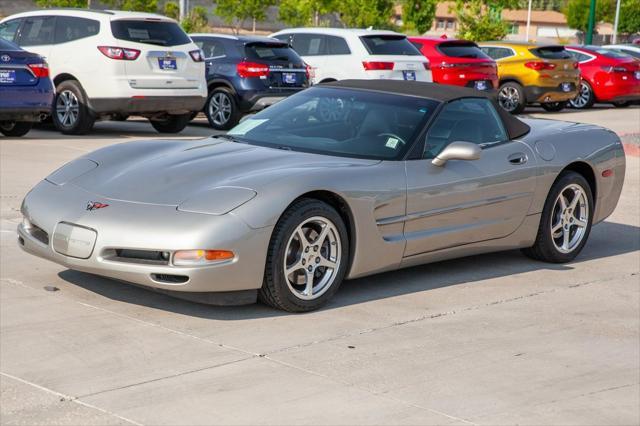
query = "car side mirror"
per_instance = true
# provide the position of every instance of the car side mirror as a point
(457, 151)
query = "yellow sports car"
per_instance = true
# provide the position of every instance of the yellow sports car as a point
(529, 73)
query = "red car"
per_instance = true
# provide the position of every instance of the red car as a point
(607, 76)
(458, 62)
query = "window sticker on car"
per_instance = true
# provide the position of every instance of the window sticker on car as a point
(138, 33)
(246, 126)
(392, 143)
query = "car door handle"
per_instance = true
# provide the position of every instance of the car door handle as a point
(518, 158)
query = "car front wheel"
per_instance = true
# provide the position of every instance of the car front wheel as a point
(585, 98)
(221, 109)
(15, 128)
(512, 98)
(307, 257)
(566, 220)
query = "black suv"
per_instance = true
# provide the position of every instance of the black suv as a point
(247, 73)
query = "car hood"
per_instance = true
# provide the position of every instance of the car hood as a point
(170, 172)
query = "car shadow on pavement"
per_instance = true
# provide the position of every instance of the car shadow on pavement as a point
(606, 240)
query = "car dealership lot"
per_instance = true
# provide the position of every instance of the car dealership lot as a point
(492, 339)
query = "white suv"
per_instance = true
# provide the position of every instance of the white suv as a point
(110, 64)
(338, 54)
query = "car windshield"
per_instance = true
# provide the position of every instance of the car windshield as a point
(462, 50)
(389, 45)
(339, 122)
(161, 33)
(551, 52)
(261, 51)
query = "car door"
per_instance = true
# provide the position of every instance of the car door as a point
(36, 34)
(467, 201)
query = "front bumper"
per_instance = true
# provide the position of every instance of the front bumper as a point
(144, 227)
(148, 104)
(544, 94)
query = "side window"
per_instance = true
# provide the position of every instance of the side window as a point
(580, 57)
(9, 29)
(69, 28)
(497, 52)
(37, 31)
(309, 44)
(212, 48)
(337, 46)
(472, 120)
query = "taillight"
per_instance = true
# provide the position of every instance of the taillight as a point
(197, 55)
(252, 69)
(119, 53)
(377, 66)
(39, 70)
(612, 68)
(539, 65)
(311, 72)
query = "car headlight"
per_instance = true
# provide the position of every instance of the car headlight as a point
(217, 201)
(72, 170)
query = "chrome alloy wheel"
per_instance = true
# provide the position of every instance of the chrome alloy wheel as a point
(67, 108)
(220, 108)
(583, 96)
(570, 217)
(509, 98)
(312, 258)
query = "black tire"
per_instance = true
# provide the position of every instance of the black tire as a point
(512, 98)
(84, 120)
(275, 289)
(171, 124)
(120, 117)
(554, 106)
(193, 115)
(226, 119)
(585, 98)
(15, 129)
(621, 104)
(544, 248)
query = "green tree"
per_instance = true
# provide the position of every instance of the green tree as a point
(132, 5)
(418, 15)
(62, 3)
(629, 17)
(577, 13)
(172, 10)
(237, 12)
(481, 20)
(298, 13)
(196, 21)
(366, 13)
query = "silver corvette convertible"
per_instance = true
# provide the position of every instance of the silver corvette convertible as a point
(339, 181)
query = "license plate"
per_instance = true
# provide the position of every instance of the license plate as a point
(637, 74)
(74, 241)
(566, 87)
(167, 64)
(288, 78)
(481, 85)
(409, 75)
(7, 76)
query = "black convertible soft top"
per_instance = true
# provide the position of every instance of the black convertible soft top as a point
(438, 92)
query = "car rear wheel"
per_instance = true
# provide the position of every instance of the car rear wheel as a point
(71, 114)
(221, 109)
(585, 98)
(511, 97)
(15, 128)
(307, 257)
(566, 220)
(171, 124)
(553, 106)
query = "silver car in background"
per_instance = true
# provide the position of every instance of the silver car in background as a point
(342, 180)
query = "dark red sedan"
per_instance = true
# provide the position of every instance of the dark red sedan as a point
(607, 76)
(458, 62)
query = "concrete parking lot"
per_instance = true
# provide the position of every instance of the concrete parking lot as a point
(491, 339)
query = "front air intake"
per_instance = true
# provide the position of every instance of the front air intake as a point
(170, 278)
